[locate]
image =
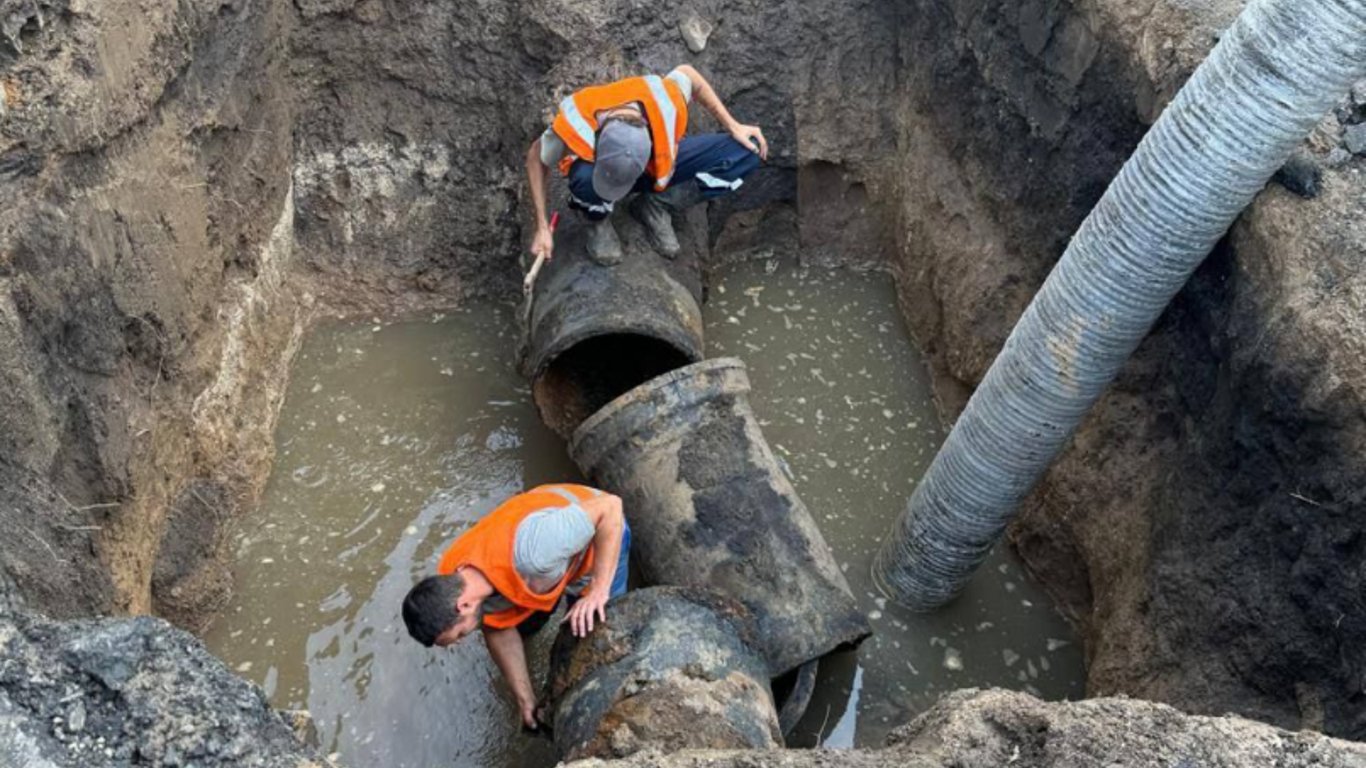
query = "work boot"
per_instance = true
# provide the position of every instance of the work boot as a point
(653, 209)
(603, 246)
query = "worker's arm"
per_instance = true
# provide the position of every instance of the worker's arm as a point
(608, 523)
(508, 652)
(543, 241)
(704, 94)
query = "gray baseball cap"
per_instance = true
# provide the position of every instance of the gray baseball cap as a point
(622, 151)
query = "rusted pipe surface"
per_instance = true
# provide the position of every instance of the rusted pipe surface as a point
(595, 332)
(709, 506)
(670, 669)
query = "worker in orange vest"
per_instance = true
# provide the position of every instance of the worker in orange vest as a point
(509, 571)
(609, 140)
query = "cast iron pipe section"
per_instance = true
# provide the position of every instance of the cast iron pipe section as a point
(710, 507)
(595, 332)
(1278, 70)
(671, 669)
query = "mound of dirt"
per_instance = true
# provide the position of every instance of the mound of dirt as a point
(130, 692)
(993, 728)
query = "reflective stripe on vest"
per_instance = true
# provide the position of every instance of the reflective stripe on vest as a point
(581, 127)
(666, 112)
(570, 496)
(669, 116)
(488, 546)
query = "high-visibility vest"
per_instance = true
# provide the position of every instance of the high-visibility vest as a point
(488, 546)
(666, 111)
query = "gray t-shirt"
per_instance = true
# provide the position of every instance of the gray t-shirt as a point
(547, 543)
(553, 148)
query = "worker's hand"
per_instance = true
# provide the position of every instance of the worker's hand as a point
(528, 709)
(582, 615)
(543, 242)
(752, 137)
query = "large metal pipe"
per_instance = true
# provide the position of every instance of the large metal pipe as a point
(709, 507)
(670, 669)
(595, 332)
(1269, 81)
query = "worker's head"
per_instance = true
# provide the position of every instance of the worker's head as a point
(442, 609)
(622, 149)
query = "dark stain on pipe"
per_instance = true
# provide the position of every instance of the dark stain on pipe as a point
(723, 487)
(709, 507)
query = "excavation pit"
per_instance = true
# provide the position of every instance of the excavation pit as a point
(183, 195)
(437, 425)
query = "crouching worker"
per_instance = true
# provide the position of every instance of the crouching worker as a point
(628, 136)
(507, 573)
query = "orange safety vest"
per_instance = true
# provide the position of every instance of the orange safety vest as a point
(488, 547)
(666, 110)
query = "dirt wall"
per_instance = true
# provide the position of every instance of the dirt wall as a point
(145, 324)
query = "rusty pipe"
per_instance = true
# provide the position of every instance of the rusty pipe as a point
(595, 332)
(709, 507)
(670, 669)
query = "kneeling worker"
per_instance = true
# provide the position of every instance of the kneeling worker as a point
(627, 136)
(507, 573)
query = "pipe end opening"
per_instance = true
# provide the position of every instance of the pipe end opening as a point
(596, 371)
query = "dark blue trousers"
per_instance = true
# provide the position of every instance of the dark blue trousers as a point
(715, 162)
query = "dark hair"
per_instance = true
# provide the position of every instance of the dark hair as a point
(630, 118)
(429, 608)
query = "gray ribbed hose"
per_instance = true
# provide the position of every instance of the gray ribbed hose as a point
(1278, 70)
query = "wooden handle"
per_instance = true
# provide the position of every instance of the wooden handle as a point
(535, 270)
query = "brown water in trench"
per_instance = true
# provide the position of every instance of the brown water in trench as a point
(394, 438)
(845, 401)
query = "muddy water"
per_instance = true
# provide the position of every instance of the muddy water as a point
(845, 402)
(394, 438)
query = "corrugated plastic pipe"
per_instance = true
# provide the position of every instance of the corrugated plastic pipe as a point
(1281, 66)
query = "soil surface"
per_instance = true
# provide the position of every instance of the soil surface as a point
(130, 692)
(145, 323)
(987, 729)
